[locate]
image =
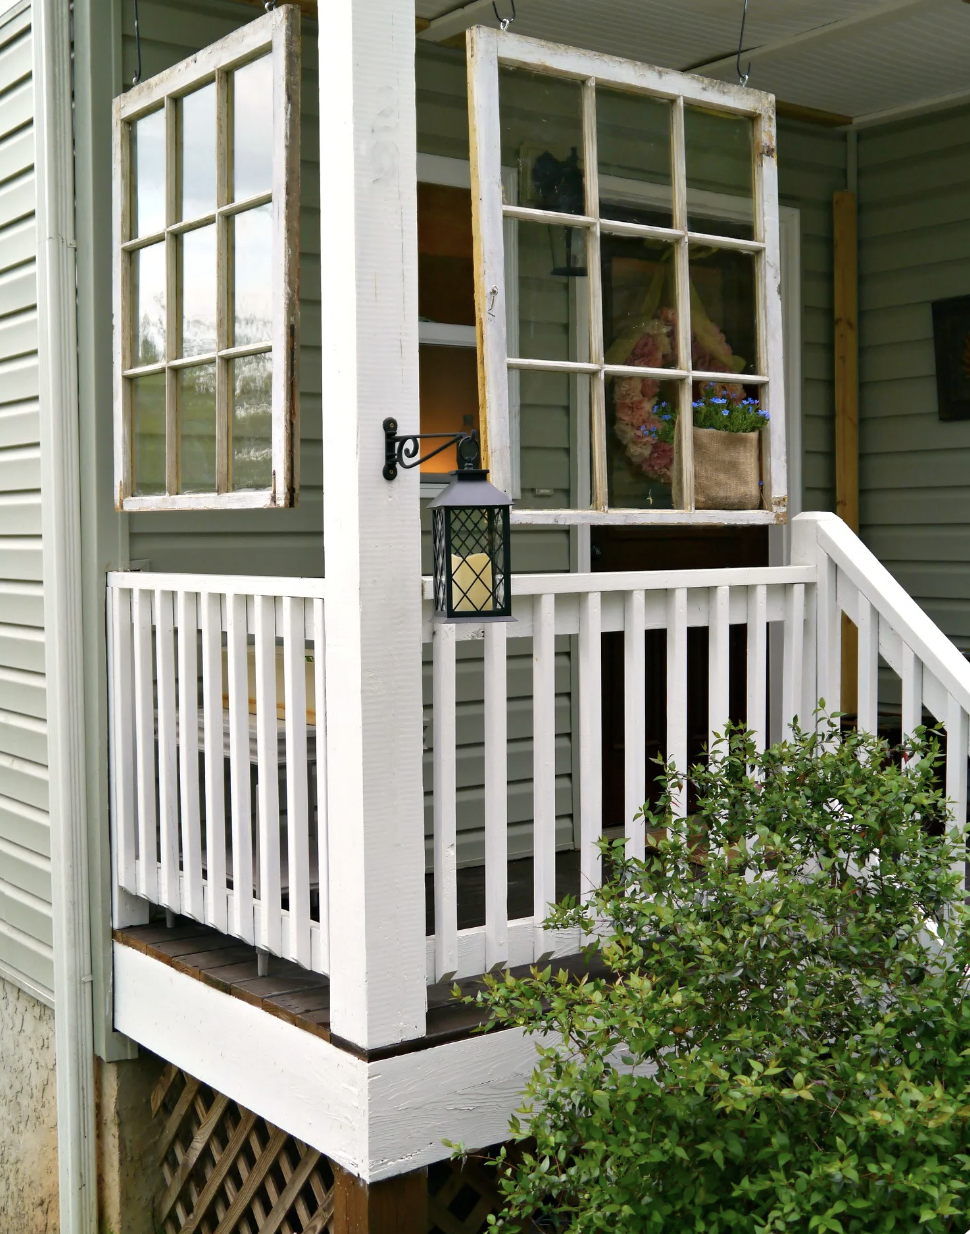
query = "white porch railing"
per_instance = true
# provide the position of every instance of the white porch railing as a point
(218, 726)
(215, 685)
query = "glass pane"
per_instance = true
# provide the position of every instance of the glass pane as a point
(554, 441)
(639, 299)
(148, 303)
(449, 399)
(640, 442)
(253, 266)
(542, 135)
(199, 291)
(148, 420)
(553, 322)
(446, 280)
(633, 146)
(252, 137)
(720, 173)
(197, 421)
(252, 422)
(199, 152)
(148, 172)
(723, 311)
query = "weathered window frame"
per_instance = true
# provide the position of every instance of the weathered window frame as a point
(276, 34)
(489, 49)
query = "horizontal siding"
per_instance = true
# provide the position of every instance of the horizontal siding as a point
(914, 229)
(25, 881)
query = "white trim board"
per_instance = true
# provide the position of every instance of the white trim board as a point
(375, 1119)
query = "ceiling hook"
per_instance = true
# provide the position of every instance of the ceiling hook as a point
(137, 77)
(269, 5)
(743, 74)
(504, 22)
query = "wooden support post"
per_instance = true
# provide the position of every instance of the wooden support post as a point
(395, 1206)
(846, 262)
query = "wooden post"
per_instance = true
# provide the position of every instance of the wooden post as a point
(395, 1206)
(846, 261)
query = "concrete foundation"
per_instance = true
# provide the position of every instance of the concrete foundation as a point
(128, 1173)
(28, 1115)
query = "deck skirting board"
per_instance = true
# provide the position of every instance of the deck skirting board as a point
(376, 1119)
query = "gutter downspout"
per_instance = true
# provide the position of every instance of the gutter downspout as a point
(60, 514)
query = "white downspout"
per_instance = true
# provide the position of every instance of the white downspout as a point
(60, 520)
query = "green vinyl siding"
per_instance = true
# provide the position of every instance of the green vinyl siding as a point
(25, 884)
(914, 248)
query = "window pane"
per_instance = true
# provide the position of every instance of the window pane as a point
(446, 280)
(148, 172)
(542, 135)
(640, 442)
(553, 322)
(723, 311)
(449, 399)
(554, 441)
(639, 302)
(252, 422)
(148, 302)
(197, 419)
(633, 145)
(199, 291)
(720, 173)
(252, 118)
(253, 265)
(148, 420)
(199, 152)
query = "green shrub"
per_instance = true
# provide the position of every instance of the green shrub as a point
(783, 1042)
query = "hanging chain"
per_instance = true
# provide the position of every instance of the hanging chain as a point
(504, 22)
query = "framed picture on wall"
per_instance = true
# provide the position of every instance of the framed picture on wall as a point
(951, 337)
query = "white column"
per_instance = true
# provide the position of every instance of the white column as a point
(371, 527)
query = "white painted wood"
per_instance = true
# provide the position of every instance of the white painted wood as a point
(321, 962)
(757, 674)
(141, 617)
(677, 690)
(216, 902)
(237, 584)
(634, 722)
(122, 748)
(496, 796)
(912, 686)
(544, 764)
(188, 753)
(719, 672)
(957, 734)
(793, 664)
(637, 518)
(241, 914)
(590, 744)
(867, 622)
(268, 812)
(169, 890)
(445, 803)
(298, 945)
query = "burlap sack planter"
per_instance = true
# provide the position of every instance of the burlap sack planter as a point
(727, 471)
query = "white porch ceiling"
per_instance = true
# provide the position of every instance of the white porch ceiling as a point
(859, 58)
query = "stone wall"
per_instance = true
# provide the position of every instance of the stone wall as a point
(28, 1115)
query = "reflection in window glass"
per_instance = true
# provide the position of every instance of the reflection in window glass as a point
(639, 302)
(446, 277)
(148, 302)
(554, 440)
(252, 422)
(542, 135)
(449, 398)
(148, 172)
(253, 271)
(148, 420)
(197, 422)
(199, 291)
(633, 147)
(252, 121)
(719, 162)
(723, 311)
(553, 291)
(199, 153)
(640, 442)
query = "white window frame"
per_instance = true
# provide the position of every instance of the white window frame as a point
(487, 50)
(277, 34)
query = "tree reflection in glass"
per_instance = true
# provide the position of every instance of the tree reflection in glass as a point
(252, 422)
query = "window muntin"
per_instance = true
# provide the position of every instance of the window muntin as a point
(682, 143)
(207, 276)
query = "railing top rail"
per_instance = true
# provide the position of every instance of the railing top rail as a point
(650, 580)
(220, 584)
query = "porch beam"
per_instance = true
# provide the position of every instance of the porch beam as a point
(372, 531)
(396, 1206)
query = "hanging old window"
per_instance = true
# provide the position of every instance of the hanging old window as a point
(634, 374)
(206, 167)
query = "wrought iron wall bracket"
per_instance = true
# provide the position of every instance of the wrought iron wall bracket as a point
(404, 450)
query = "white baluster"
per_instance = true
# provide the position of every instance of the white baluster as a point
(267, 757)
(590, 743)
(719, 665)
(321, 962)
(544, 767)
(634, 722)
(912, 683)
(297, 807)
(867, 623)
(793, 668)
(188, 745)
(121, 696)
(213, 738)
(957, 733)
(496, 796)
(677, 690)
(445, 802)
(237, 631)
(757, 709)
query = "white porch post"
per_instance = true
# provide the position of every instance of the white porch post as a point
(371, 527)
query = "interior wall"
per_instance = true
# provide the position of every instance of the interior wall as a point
(914, 211)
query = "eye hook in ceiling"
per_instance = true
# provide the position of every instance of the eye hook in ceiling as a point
(504, 22)
(137, 77)
(743, 74)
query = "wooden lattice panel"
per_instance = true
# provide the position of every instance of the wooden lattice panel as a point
(227, 1171)
(460, 1197)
